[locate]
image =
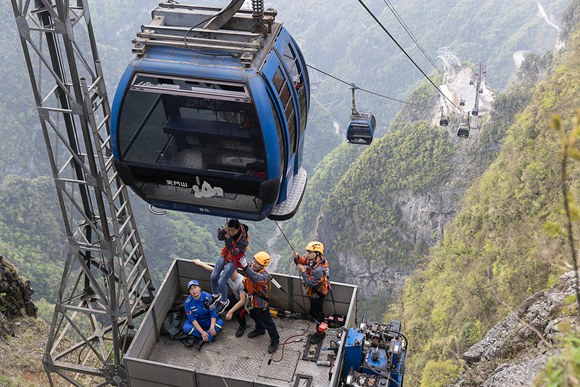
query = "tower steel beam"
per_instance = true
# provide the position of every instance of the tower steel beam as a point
(106, 284)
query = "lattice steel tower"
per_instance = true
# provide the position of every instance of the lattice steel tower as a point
(106, 283)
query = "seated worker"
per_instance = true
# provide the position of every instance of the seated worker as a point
(202, 324)
(236, 238)
(314, 273)
(235, 282)
(257, 286)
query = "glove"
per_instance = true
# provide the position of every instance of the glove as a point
(296, 258)
(243, 262)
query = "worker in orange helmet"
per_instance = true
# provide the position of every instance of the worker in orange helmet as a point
(257, 286)
(314, 273)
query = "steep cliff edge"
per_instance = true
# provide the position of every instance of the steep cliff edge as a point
(22, 336)
(15, 297)
(516, 350)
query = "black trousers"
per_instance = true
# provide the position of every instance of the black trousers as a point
(240, 315)
(316, 312)
(263, 320)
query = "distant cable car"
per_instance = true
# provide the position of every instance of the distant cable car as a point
(463, 129)
(475, 112)
(462, 102)
(481, 91)
(470, 82)
(361, 126)
(212, 121)
(444, 120)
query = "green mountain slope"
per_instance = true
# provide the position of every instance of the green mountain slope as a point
(497, 252)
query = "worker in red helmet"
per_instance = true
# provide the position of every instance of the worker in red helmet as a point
(314, 273)
(257, 286)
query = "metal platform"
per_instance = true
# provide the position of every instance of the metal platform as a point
(154, 360)
(247, 359)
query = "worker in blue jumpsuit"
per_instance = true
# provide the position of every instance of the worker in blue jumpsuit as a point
(203, 323)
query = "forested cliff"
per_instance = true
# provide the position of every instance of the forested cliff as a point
(508, 240)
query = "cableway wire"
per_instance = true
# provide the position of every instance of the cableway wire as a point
(406, 28)
(284, 235)
(405, 52)
(367, 91)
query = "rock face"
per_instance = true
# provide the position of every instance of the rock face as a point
(516, 350)
(422, 218)
(15, 293)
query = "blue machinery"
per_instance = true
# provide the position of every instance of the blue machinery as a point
(211, 119)
(374, 355)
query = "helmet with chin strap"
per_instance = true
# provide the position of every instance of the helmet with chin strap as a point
(315, 246)
(263, 258)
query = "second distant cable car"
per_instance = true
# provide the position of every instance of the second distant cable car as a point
(213, 121)
(463, 129)
(361, 126)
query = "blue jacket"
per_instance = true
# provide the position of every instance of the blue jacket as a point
(196, 310)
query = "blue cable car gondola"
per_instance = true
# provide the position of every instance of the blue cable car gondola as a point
(213, 121)
(361, 126)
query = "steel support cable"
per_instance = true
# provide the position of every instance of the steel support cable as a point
(406, 28)
(367, 91)
(405, 52)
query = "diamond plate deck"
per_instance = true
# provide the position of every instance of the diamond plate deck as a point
(247, 359)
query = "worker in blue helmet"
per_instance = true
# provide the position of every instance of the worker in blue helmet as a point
(203, 323)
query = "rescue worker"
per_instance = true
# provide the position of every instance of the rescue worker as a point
(203, 323)
(314, 273)
(257, 286)
(235, 282)
(236, 237)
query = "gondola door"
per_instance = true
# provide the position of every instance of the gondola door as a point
(280, 92)
(290, 55)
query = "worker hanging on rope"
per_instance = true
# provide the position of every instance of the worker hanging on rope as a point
(236, 237)
(314, 273)
(203, 323)
(257, 286)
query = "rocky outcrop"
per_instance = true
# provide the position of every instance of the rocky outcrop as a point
(422, 218)
(15, 297)
(516, 350)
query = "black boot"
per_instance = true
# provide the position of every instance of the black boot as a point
(273, 347)
(256, 333)
(189, 341)
(200, 344)
(241, 330)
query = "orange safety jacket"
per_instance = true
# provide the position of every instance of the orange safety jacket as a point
(235, 248)
(315, 277)
(257, 286)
